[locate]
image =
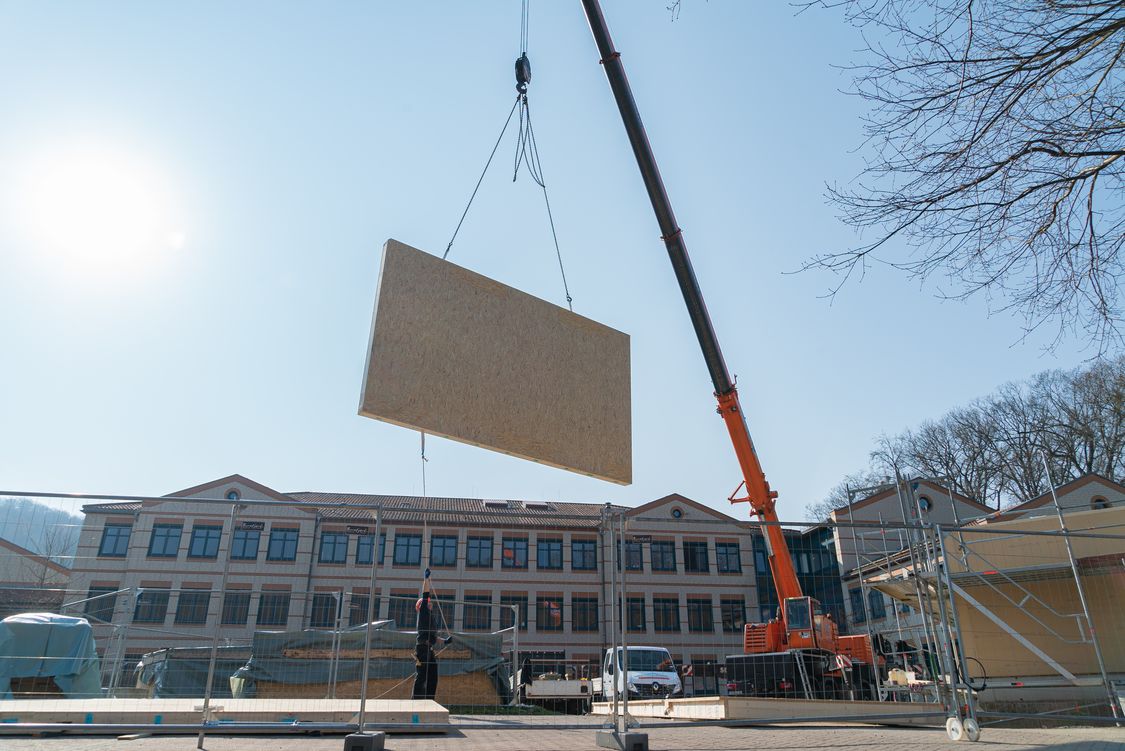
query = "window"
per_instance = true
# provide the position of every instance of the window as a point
(875, 601)
(727, 558)
(333, 547)
(663, 555)
(549, 553)
(365, 546)
(443, 550)
(859, 612)
(204, 541)
(283, 545)
(165, 540)
(699, 617)
(478, 612)
(925, 503)
(801, 562)
(152, 606)
(244, 546)
(666, 613)
(236, 607)
(445, 610)
(733, 611)
(115, 540)
(233, 495)
(1099, 503)
(760, 564)
(506, 614)
(357, 609)
(583, 555)
(273, 608)
(695, 558)
(192, 606)
(402, 610)
(513, 553)
(100, 602)
(549, 612)
(583, 613)
(478, 553)
(636, 615)
(634, 556)
(903, 607)
(408, 550)
(325, 608)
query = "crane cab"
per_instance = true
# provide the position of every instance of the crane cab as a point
(806, 625)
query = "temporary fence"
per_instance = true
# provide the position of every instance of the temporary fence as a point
(237, 615)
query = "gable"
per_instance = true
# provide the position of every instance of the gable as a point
(663, 507)
(246, 488)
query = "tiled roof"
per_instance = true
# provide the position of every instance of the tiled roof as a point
(413, 509)
(418, 510)
(109, 508)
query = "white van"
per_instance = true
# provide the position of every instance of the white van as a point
(651, 674)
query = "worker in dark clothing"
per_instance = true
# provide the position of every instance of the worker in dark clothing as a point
(426, 668)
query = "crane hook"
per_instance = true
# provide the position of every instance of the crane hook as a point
(523, 73)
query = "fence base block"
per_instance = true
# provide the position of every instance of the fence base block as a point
(368, 742)
(622, 741)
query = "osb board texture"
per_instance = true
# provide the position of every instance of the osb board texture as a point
(456, 354)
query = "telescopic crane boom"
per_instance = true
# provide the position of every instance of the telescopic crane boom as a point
(758, 493)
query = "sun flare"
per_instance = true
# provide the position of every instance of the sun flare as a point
(100, 209)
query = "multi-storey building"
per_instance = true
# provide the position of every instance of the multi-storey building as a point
(889, 511)
(813, 553)
(150, 570)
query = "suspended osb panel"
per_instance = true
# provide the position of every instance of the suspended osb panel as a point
(456, 354)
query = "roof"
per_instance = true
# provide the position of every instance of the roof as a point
(402, 509)
(41, 560)
(415, 509)
(1045, 498)
(884, 494)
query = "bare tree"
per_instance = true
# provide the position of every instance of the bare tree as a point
(992, 450)
(994, 144)
(840, 496)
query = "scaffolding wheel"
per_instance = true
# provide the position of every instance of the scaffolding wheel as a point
(962, 731)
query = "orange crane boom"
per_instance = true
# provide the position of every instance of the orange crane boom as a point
(758, 492)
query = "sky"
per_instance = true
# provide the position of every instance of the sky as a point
(194, 197)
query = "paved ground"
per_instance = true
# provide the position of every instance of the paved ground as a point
(527, 737)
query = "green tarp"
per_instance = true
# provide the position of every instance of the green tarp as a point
(306, 657)
(45, 645)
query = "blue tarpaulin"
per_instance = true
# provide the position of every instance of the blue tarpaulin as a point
(46, 645)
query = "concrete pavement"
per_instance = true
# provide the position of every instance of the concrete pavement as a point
(522, 736)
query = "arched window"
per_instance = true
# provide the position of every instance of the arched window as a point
(1099, 502)
(233, 495)
(925, 504)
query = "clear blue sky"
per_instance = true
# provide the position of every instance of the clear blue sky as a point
(194, 197)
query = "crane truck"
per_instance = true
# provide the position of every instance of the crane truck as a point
(799, 653)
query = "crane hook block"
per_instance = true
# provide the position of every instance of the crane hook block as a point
(523, 73)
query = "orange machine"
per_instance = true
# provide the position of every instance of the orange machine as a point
(802, 643)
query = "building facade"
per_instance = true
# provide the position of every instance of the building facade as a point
(149, 572)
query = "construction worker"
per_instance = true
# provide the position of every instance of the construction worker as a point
(425, 660)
